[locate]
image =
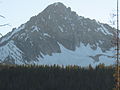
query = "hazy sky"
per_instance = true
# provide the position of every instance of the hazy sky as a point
(18, 12)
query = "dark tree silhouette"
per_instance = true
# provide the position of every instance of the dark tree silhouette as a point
(32, 77)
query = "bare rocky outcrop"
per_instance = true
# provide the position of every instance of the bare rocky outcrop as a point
(57, 24)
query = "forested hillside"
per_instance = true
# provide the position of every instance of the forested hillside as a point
(31, 77)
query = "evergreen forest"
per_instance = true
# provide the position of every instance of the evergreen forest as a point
(43, 77)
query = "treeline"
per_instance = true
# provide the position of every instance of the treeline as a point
(35, 77)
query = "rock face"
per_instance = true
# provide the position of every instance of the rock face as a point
(52, 35)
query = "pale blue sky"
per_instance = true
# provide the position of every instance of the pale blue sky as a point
(18, 12)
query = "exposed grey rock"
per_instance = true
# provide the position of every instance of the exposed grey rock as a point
(57, 24)
(96, 57)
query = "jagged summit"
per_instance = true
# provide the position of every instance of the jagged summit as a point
(57, 36)
(58, 4)
(55, 7)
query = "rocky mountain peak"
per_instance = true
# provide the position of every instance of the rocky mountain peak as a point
(56, 6)
(56, 30)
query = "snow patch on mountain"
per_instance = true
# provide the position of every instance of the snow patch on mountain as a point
(46, 34)
(13, 33)
(81, 57)
(101, 42)
(26, 37)
(104, 30)
(60, 28)
(11, 50)
(35, 28)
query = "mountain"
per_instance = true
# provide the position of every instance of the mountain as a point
(58, 36)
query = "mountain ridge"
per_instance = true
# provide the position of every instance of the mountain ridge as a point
(44, 34)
